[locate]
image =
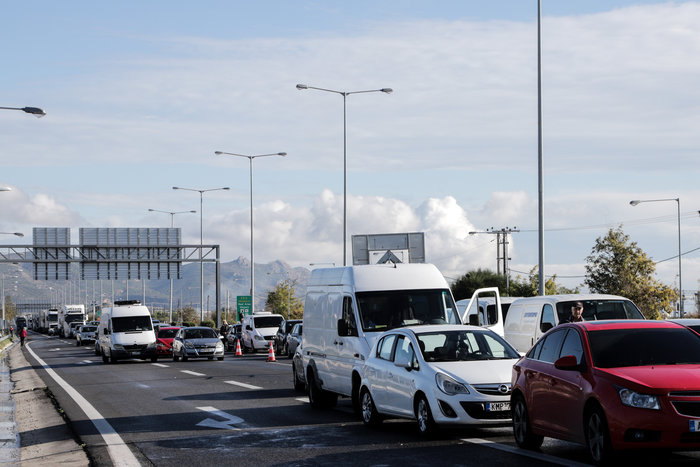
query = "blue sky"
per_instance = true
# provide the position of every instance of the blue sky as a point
(139, 95)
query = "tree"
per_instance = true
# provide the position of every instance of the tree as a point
(465, 285)
(530, 286)
(283, 301)
(618, 266)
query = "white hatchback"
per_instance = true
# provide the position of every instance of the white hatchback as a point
(438, 374)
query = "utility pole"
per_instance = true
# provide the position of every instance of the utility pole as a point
(501, 249)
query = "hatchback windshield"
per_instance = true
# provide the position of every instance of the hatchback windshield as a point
(640, 347)
(384, 310)
(452, 346)
(132, 323)
(199, 333)
(167, 333)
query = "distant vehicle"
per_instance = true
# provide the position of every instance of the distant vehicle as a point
(281, 336)
(610, 385)
(126, 331)
(164, 343)
(73, 328)
(347, 308)
(482, 309)
(197, 342)
(86, 333)
(529, 318)
(259, 330)
(293, 340)
(20, 322)
(233, 337)
(68, 314)
(438, 375)
(298, 369)
(692, 323)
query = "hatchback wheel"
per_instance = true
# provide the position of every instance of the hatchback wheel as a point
(426, 424)
(175, 357)
(597, 437)
(522, 431)
(370, 416)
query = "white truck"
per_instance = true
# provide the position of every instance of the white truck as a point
(68, 314)
(347, 308)
(126, 331)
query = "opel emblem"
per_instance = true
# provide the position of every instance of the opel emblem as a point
(503, 389)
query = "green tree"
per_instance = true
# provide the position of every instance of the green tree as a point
(283, 301)
(530, 286)
(618, 266)
(188, 315)
(465, 285)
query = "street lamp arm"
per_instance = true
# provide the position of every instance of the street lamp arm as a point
(222, 153)
(344, 93)
(635, 202)
(30, 110)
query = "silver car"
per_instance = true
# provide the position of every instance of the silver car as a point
(197, 342)
(86, 333)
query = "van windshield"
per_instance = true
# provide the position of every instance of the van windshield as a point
(600, 309)
(268, 321)
(132, 323)
(382, 310)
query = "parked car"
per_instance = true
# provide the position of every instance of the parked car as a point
(164, 341)
(197, 342)
(281, 336)
(86, 333)
(233, 337)
(298, 369)
(610, 385)
(293, 340)
(438, 375)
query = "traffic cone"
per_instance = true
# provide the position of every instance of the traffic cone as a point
(238, 349)
(271, 354)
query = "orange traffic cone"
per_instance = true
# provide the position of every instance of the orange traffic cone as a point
(271, 354)
(238, 349)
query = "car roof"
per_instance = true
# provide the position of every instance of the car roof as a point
(623, 324)
(440, 328)
(685, 321)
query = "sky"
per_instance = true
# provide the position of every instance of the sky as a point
(139, 95)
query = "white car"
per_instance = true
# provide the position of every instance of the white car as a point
(438, 375)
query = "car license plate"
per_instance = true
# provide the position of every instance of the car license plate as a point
(695, 425)
(497, 406)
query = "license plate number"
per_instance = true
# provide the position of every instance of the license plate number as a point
(497, 406)
(695, 425)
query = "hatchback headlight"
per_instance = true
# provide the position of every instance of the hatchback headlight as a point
(258, 338)
(189, 345)
(219, 346)
(449, 386)
(640, 401)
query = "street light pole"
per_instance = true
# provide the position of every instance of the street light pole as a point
(252, 248)
(345, 94)
(680, 280)
(30, 110)
(172, 225)
(201, 243)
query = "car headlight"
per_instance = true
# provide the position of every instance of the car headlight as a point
(189, 345)
(449, 386)
(258, 338)
(219, 346)
(118, 347)
(640, 401)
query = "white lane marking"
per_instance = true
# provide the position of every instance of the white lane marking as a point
(85, 362)
(193, 373)
(119, 452)
(523, 452)
(243, 385)
(211, 423)
(160, 365)
(55, 350)
(302, 399)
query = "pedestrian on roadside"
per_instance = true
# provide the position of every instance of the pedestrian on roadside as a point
(22, 335)
(224, 328)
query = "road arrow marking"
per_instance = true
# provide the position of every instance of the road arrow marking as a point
(226, 425)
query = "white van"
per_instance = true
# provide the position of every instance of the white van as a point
(346, 308)
(528, 318)
(126, 331)
(482, 309)
(258, 330)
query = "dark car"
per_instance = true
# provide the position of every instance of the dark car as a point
(293, 339)
(280, 337)
(610, 385)
(233, 337)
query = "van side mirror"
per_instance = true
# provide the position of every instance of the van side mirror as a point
(107, 332)
(342, 327)
(248, 328)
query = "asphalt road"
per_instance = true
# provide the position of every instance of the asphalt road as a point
(243, 411)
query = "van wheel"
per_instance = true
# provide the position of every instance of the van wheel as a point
(299, 385)
(319, 398)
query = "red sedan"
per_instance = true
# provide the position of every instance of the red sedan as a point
(164, 341)
(610, 385)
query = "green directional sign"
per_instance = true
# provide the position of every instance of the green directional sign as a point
(244, 305)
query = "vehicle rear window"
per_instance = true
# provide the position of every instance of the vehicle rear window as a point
(167, 333)
(616, 348)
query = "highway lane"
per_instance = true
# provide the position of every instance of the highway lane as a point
(243, 411)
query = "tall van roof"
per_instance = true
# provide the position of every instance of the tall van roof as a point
(570, 297)
(380, 277)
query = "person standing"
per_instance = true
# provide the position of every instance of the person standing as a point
(22, 335)
(576, 313)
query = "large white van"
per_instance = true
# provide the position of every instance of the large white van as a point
(346, 308)
(258, 330)
(528, 318)
(126, 331)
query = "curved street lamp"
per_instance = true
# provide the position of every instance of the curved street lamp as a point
(345, 94)
(252, 249)
(30, 110)
(18, 234)
(201, 243)
(635, 202)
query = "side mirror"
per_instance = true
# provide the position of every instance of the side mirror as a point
(248, 328)
(342, 327)
(546, 327)
(567, 363)
(107, 332)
